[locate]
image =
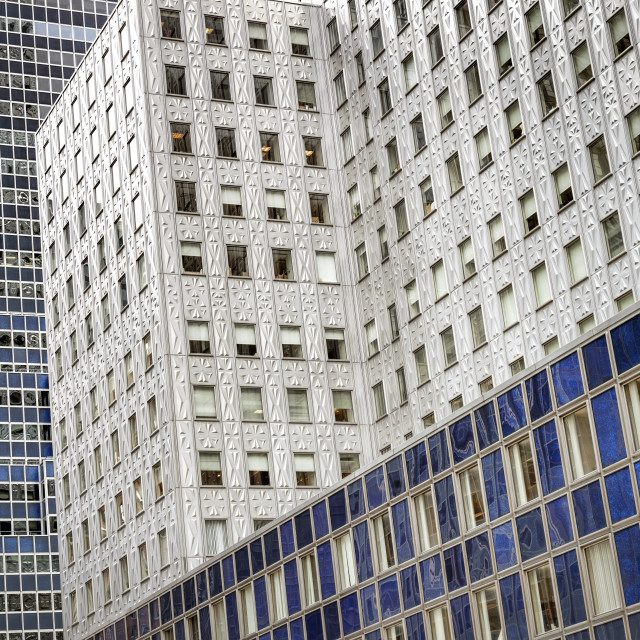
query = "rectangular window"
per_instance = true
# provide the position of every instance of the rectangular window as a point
(258, 36)
(472, 500)
(251, 402)
(503, 54)
(410, 73)
(632, 395)
(220, 85)
(186, 201)
(514, 121)
(368, 128)
(523, 472)
(435, 46)
(379, 400)
(198, 337)
(361, 261)
(562, 179)
(582, 64)
(336, 345)
(158, 484)
(419, 135)
(371, 333)
(214, 30)
(299, 41)
(345, 562)
(264, 91)
(543, 601)
(599, 159)
(377, 42)
(309, 578)
(400, 213)
(613, 236)
(258, 465)
(306, 96)
(498, 241)
(455, 174)
(204, 400)
(238, 261)
(393, 158)
(535, 25)
(191, 254)
(468, 259)
(426, 520)
(383, 542)
(231, 198)
(326, 263)
(413, 299)
(106, 585)
(334, 38)
(180, 137)
(163, 545)
(319, 205)
(278, 596)
(603, 577)
(463, 19)
(282, 264)
(291, 342)
(445, 109)
(477, 327)
(246, 340)
(342, 406)
(347, 146)
(619, 30)
(577, 430)
(575, 258)
(341, 89)
(305, 469)
(422, 369)
(474, 86)
(384, 94)
(483, 147)
(269, 147)
(226, 142)
(215, 534)
(298, 402)
(313, 151)
(383, 243)
(210, 469)
(170, 23)
(547, 94)
(176, 81)
(449, 346)
(375, 183)
(402, 385)
(393, 322)
(633, 122)
(541, 284)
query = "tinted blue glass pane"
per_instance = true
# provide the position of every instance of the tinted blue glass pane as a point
(549, 459)
(559, 522)
(620, 495)
(515, 621)
(320, 519)
(531, 534)
(454, 567)
(201, 587)
(504, 544)
(271, 547)
(580, 635)
(447, 510)
(395, 477)
(634, 625)
(325, 564)
(176, 595)
(608, 427)
(415, 627)
(189, 588)
(227, 572)
(495, 484)
(304, 532)
(613, 630)
(626, 344)
(589, 509)
(313, 625)
(373, 635)
(438, 452)
(432, 577)
(178, 630)
(596, 362)
(486, 425)
(402, 530)
(281, 633)
(338, 510)
(331, 621)
(364, 562)
(410, 587)
(461, 618)
(286, 538)
(376, 490)
(538, 395)
(570, 588)
(479, 557)
(131, 625)
(154, 613)
(291, 586)
(628, 548)
(511, 410)
(242, 564)
(233, 627)
(143, 617)
(350, 614)
(257, 561)
(296, 629)
(262, 607)
(567, 379)
(417, 467)
(356, 499)
(205, 623)
(369, 601)
(215, 580)
(265, 636)
(389, 597)
(462, 444)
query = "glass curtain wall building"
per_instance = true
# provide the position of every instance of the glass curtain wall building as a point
(41, 43)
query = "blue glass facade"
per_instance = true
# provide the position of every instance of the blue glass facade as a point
(502, 522)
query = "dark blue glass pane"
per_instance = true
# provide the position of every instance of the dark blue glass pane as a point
(338, 510)
(549, 459)
(608, 427)
(479, 557)
(304, 532)
(447, 510)
(613, 630)
(320, 519)
(262, 606)
(271, 547)
(559, 522)
(296, 628)
(410, 587)
(462, 444)
(215, 580)
(205, 623)
(402, 530)
(369, 601)
(257, 561)
(376, 490)
(227, 572)
(486, 425)
(415, 627)
(531, 534)
(313, 625)
(454, 567)
(628, 548)
(620, 495)
(233, 626)
(567, 379)
(286, 538)
(511, 410)
(373, 635)
(389, 597)
(201, 587)
(189, 588)
(417, 467)
(589, 509)
(495, 484)
(461, 618)
(432, 578)
(439, 453)
(178, 630)
(634, 625)
(131, 625)
(291, 587)
(570, 588)
(395, 477)
(504, 544)
(154, 613)
(325, 563)
(350, 614)
(580, 635)
(143, 618)
(243, 570)
(331, 621)
(356, 499)
(176, 596)
(596, 362)
(364, 563)
(515, 621)
(626, 344)
(538, 395)
(265, 636)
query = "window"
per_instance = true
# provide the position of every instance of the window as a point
(371, 333)
(477, 327)
(231, 201)
(435, 46)
(580, 443)
(360, 68)
(426, 520)
(633, 122)
(164, 547)
(345, 562)
(624, 301)
(186, 197)
(419, 136)
(251, 401)
(619, 31)
(455, 174)
(377, 43)
(305, 469)
(410, 75)
(210, 469)
(349, 463)
(472, 500)
(361, 261)
(176, 81)
(632, 395)
(496, 230)
(379, 400)
(523, 472)
(485, 385)
(326, 267)
(88, 587)
(306, 96)
(170, 23)
(422, 370)
(385, 96)
(449, 347)
(309, 578)
(319, 205)
(264, 91)
(354, 201)
(468, 259)
(541, 284)
(258, 465)
(133, 431)
(215, 533)
(503, 54)
(258, 36)
(147, 350)
(426, 193)
(139, 498)
(586, 324)
(383, 243)
(444, 107)
(181, 137)
(298, 405)
(474, 86)
(575, 258)
(238, 262)
(220, 85)
(342, 406)
(282, 264)
(545, 610)
(300, 41)
(413, 300)
(393, 157)
(157, 480)
(603, 577)
(517, 366)
(204, 400)
(341, 89)
(313, 150)
(334, 38)
(191, 254)
(198, 336)
(400, 212)
(347, 146)
(514, 121)
(483, 147)
(383, 542)
(613, 236)
(246, 340)
(402, 385)
(463, 19)
(291, 342)
(226, 141)
(529, 211)
(569, 6)
(269, 147)
(582, 64)
(393, 322)
(535, 25)
(141, 265)
(368, 129)
(562, 180)
(599, 159)
(120, 509)
(106, 585)
(547, 94)
(214, 29)
(336, 345)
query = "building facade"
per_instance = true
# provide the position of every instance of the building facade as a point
(283, 238)
(40, 46)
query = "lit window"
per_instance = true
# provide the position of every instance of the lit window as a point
(258, 36)
(543, 601)
(523, 472)
(310, 578)
(349, 463)
(541, 284)
(210, 469)
(472, 500)
(258, 465)
(440, 623)
(439, 279)
(342, 406)
(625, 300)
(380, 402)
(613, 236)
(269, 147)
(582, 64)
(305, 469)
(426, 520)
(599, 159)
(517, 366)
(246, 340)
(632, 395)
(489, 613)
(291, 342)
(251, 403)
(529, 211)
(214, 29)
(562, 180)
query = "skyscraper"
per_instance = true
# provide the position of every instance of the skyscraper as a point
(284, 238)
(40, 46)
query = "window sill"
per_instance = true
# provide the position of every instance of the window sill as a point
(506, 72)
(419, 151)
(315, 166)
(393, 174)
(171, 39)
(484, 167)
(380, 53)
(564, 207)
(515, 142)
(349, 161)
(447, 126)
(358, 217)
(603, 179)
(469, 277)
(260, 486)
(386, 113)
(616, 258)
(370, 140)
(271, 161)
(418, 315)
(623, 54)
(585, 84)
(480, 346)
(373, 355)
(335, 49)
(384, 260)
(437, 62)
(260, 50)
(544, 305)
(465, 36)
(495, 6)
(475, 100)
(528, 234)
(217, 158)
(499, 255)
(221, 100)
(363, 278)
(176, 95)
(572, 13)
(579, 282)
(450, 366)
(304, 55)
(538, 44)
(456, 192)
(423, 384)
(341, 104)
(411, 88)
(404, 235)
(429, 213)
(551, 113)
